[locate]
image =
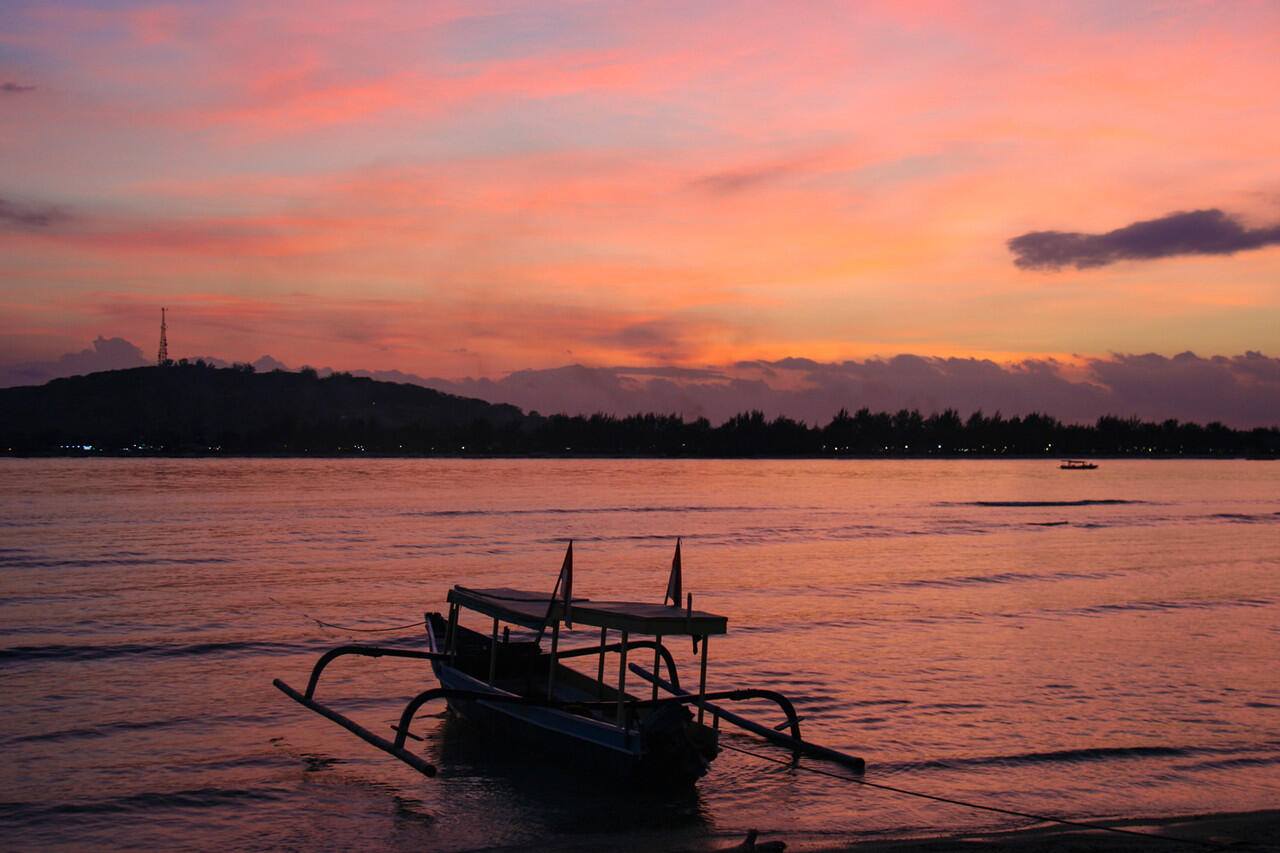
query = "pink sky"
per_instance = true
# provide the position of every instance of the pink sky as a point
(473, 188)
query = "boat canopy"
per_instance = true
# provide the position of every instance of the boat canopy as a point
(531, 609)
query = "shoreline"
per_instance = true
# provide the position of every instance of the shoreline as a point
(1237, 831)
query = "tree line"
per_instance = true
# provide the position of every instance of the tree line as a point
(906, 433)
(198, 409)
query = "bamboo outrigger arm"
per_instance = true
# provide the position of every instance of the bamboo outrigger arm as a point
(397, 749)
(308, 700)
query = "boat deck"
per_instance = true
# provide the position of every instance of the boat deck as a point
(530, 610)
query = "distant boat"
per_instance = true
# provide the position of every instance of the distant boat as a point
(1077, 465)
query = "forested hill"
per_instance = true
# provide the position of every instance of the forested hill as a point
(197, 409)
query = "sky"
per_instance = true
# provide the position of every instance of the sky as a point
(474, 189)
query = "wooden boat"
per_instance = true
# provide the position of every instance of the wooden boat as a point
(1077, 465)
(513, 689)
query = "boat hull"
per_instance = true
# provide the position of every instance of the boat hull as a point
(591, 744)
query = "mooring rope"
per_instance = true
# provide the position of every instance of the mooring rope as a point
(997, 809)
(324, 624)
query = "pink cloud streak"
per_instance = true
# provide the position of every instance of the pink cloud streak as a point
(666, 182)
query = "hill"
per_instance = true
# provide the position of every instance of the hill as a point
(198, 408)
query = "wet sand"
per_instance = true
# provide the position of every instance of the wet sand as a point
(1247, 831)
(1244, 832)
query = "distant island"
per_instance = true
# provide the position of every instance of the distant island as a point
(196, 409)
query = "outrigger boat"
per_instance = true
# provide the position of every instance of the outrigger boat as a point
(513, 689)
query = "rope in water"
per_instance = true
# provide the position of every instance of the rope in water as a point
(324, 624)
(970, 805)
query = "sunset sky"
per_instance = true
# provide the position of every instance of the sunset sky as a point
(465, 189)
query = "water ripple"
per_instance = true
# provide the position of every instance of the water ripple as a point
(77, 653)
(145, 803)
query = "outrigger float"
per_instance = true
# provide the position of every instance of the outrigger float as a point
(514, 690)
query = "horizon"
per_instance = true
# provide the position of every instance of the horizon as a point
(1242, 392)
(476, 191)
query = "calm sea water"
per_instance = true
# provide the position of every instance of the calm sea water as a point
(1089, 645)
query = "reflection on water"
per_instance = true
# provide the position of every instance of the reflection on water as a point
(480, 776)
(998, 631)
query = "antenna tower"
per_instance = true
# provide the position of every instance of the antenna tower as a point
(163, 357)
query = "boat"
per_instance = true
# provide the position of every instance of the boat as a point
(1077, 465)
(517, 692)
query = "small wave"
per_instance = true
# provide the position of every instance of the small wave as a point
(1233, 763)
(75, 653)
(46, 599)
(86, 563)
(204, 722)
(1100, 753)
(1084, 502)
(950, 706)
(1163, 606)
(1002, 578)
(592, 510)
(146, 803)
(862, 590)
(91, 732)
(1247, 518)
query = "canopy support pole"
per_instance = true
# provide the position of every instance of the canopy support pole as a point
(551, 668)
(622, 677)
(604, 636)
(493, 652)
(702, 679)
(657, 659)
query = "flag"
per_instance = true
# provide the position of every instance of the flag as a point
(673, 583)
(563, 591)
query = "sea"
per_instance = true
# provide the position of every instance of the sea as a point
(1092, 646)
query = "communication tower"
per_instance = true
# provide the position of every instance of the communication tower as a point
(163, 357)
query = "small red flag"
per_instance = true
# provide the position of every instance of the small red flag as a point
(673, 583)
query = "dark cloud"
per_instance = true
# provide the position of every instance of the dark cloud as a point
(686, 373)
(1197, 232)
(16, 215)
(11, 88)
(1242, 391)
(105, 354)
(739, 180)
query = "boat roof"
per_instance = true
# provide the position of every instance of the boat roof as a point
(529, 609)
